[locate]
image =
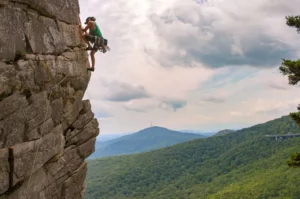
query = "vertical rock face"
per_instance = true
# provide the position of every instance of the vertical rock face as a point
(46, 129)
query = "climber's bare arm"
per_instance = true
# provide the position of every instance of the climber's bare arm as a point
(90, 25)
(84, 29)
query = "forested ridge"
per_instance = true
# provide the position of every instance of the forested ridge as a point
(145, 140)
(243, 164)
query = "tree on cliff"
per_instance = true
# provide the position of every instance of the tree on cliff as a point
(292, 69)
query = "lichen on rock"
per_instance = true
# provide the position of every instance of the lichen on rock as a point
(47, 130)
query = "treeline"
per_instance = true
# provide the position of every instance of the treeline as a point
(244, 164)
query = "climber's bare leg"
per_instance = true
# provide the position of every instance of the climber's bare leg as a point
(93, 60)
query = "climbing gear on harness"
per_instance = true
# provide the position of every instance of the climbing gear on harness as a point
(99, 43)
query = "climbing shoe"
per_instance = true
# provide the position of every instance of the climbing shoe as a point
(91, 69)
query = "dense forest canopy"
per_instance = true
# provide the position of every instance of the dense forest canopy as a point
(241, 164)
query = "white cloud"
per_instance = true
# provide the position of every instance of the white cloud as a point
(191, 65)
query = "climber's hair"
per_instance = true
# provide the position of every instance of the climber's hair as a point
(93, 18)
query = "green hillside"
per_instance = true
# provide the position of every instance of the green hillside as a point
(243, 164)
(145, 140)
(224, 132)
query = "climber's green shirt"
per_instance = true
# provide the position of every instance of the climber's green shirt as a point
(96, 31)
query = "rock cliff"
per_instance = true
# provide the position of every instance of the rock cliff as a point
(46, 129)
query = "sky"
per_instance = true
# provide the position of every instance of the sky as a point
(202, 65)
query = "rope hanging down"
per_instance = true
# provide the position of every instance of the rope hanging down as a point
(42, 133)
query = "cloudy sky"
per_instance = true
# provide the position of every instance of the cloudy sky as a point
(200, 65)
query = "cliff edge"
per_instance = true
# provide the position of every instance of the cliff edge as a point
(46, 129)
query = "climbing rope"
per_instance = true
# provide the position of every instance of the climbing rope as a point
(42, 132)
(69, 171)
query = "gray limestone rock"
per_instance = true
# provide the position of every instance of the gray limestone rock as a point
(83, 120)
(46, 129)
(35, 187)
(42, 34)
(30, 156)
(86, 105)
(4, 170)
(79, 137)
(38, 104)
(72, 158)
(64, 10)
(7, 75)
(43, 129)
(69, 55)
(41, 117)
(2, 135)
(77, 180)
(12, 104)
(57, 110)
(72, 109)
(13, 128)
(86, 149)
(24, 77)
(70, 34)
(3, 2)
(34, 33)
(12, 39)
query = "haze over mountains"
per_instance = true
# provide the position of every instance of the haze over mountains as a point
(148, 139)
(244, 164)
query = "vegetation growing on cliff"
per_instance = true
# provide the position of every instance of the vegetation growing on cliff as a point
(244, 163)
(292, 69)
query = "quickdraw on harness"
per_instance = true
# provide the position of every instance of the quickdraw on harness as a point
(99, 42)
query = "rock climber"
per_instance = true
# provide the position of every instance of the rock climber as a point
(94, 36)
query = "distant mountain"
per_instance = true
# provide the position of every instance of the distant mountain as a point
(245, 164)
(206, 134)
(224, 132)
(145, 140)
(107, 137)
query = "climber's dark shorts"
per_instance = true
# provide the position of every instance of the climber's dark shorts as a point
(92, 39)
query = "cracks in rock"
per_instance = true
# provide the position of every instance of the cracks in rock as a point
(27, 93)
(28, 45)
(79, 131)
(5, 139)
(70, 49)
(22, 57)
(47, 173)
(26, 130)
(70, 129)
(26, 8)
(2, 136)
(11, 167)
(13, 189)
(18, 56)
(57, 24)
(37, 10)
(5, 95)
